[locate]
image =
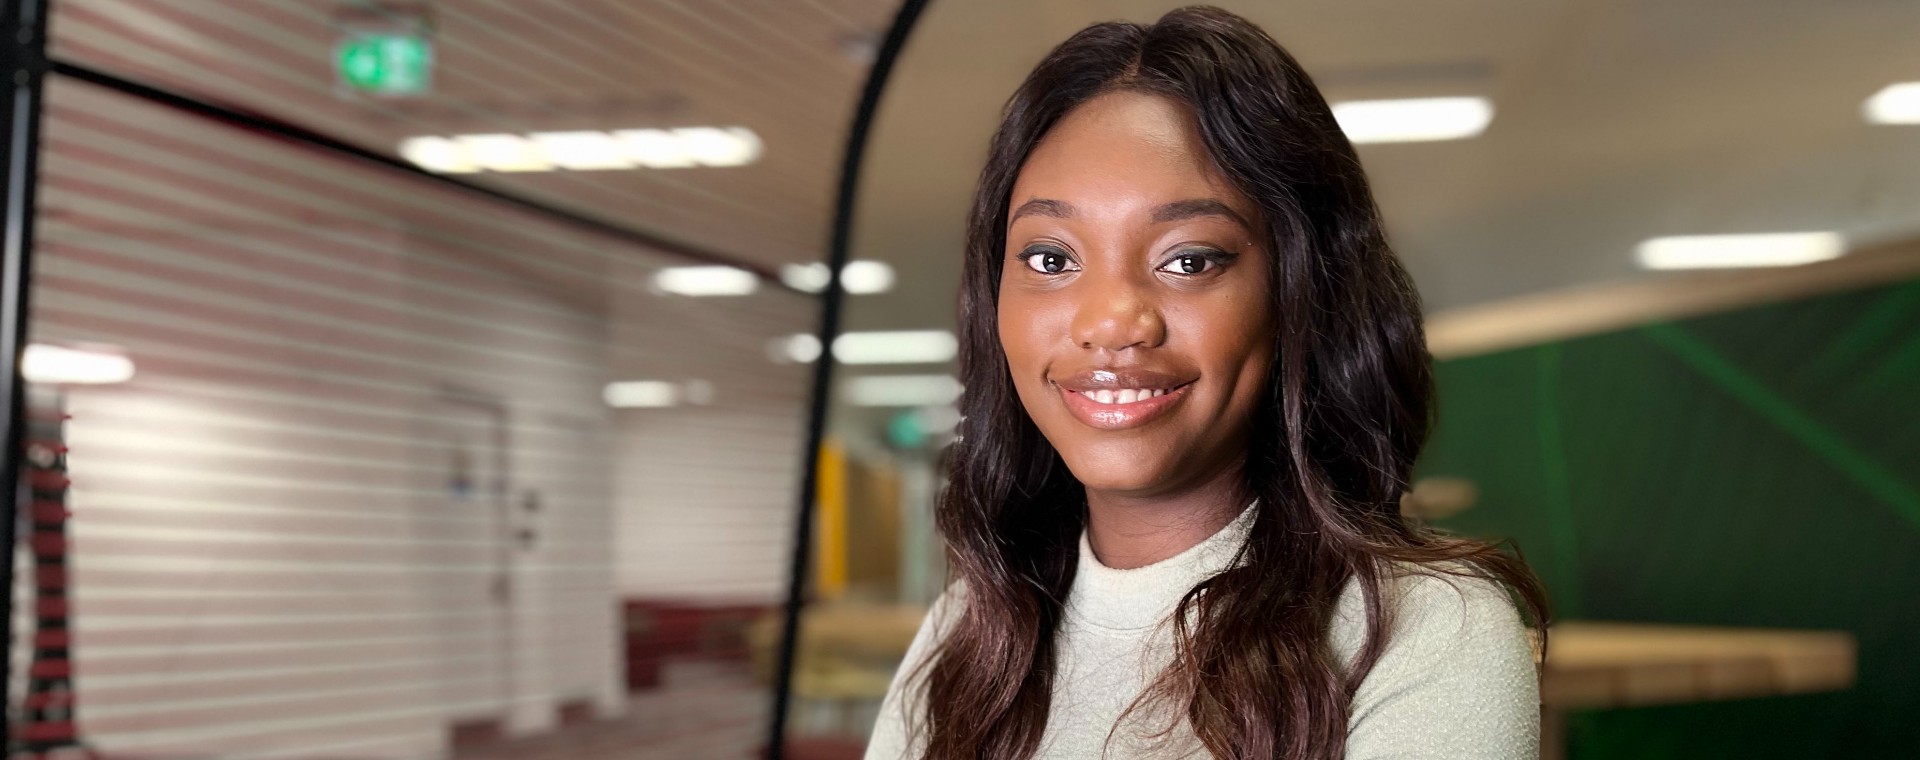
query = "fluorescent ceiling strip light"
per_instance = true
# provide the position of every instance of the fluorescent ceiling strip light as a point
(655, 149)
(641, 394)
(714, 146)
(895, 347)
(858, 277)
(585, 150)
(1894, 104)
(505, 153)
(438, 154)
(1777, 249)
(901, 390)
(46, 363)
(1413, 119)
(887, 347)
(795, 349)
(705, 281)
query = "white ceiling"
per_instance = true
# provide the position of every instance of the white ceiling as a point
(1616, 121)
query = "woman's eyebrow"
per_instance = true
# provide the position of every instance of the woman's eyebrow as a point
(1043, 207)
(1194, 207)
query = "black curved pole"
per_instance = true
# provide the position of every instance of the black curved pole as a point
(23, 47)
(837, 251)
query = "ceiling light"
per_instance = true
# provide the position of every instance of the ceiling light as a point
(1894, 104)
(655, 148)
(901, 390)
(885, 347)
(1413, 119)
(438, 154)
(583, 151)
(91, 365)
(680, 148)
(705, 281)
(865, 277)
(505, 153)
(1777, 249)
(810, 278)
(641, 394)
(794, 349)
(895, 347)
(858, 278)
(714, 146)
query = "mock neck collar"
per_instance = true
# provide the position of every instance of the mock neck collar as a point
(1141, 597)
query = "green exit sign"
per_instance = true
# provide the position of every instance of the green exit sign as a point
(385, 64)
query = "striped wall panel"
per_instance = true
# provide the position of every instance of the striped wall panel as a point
(363, 485)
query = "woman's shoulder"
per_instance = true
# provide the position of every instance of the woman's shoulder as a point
(1430, 607)
(941, 617)
(1457, 676)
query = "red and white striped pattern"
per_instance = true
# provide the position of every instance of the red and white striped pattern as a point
(268, 557)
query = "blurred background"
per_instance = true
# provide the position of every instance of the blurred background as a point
(431, 379)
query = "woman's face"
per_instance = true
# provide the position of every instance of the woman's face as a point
(1134, 304)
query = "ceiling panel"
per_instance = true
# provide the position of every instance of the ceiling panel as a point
(787, 70)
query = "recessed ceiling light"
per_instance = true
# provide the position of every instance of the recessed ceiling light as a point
(902, 390)
(1775, 249)
(705, 281)
(47, 363)
(859, 277)
(1413, 119)
(1894, 104)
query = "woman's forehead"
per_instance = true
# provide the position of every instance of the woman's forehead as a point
(1120, 154)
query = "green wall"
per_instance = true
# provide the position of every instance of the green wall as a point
(1753, 468)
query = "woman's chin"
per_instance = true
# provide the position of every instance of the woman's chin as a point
(1121, 475)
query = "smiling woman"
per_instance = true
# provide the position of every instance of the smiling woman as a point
(1196, 384)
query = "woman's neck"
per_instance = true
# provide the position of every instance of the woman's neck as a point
(1129, 531)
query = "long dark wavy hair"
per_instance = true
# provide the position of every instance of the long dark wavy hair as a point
(1347, 407)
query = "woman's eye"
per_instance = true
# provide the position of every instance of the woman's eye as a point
(1046, 261)
(1189, 263)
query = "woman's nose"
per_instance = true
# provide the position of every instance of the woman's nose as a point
(1116, 315)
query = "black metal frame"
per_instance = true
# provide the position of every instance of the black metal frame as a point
(24, 50)
(837, 254)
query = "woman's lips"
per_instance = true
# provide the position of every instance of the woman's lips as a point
(1100, 400)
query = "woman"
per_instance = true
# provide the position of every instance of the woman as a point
(1196, 385)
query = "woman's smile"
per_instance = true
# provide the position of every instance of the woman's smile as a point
(1116, 399)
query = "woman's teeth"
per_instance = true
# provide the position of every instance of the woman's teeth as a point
(1124, 396)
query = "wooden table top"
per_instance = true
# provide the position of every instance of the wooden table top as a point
(1595, 664)
(1589, 664)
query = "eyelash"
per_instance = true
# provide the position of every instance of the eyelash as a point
(1214, 256)
(1043, 250)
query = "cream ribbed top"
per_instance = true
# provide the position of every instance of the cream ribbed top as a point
(1457, 680)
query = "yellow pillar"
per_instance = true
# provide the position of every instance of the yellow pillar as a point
(830, 526)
